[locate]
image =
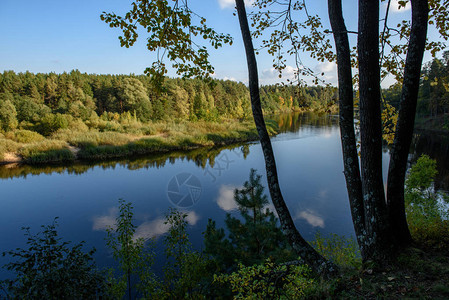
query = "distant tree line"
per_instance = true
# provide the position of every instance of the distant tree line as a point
(433, 98)
(39, 101)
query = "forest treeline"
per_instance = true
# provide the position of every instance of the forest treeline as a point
(433, 97)
(34, 101)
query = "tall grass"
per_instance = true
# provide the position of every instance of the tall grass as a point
(114, 139)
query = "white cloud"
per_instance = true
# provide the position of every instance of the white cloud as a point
(225, 198)
(146, 230)
(107, 221)
(230, 78)
(273, 75)
(329, 71)
(157, 227)
(394, 6)
(231, 3)
(311, 218)
(326, 67)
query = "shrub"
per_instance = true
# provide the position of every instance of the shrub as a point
(338, 249)
(255, 239)
(8, 115)
(268, 281)
(55, 156)
(427, 209)
(50, 269)
(47, 151)
(7, 145)
(184, 273)
(26, 136)
(53, 122)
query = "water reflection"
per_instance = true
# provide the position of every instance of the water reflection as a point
(291, 122)
(311, 217)
(436, 146)
(202, 157)
(225, 199)
(146, 230)
(84, 196)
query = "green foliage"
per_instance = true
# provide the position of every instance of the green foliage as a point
(434, 92)
(53, 122)
(8, 115)
(26, 136)
(47, 151)
(268, 281)
(131, 254)
(340, 250)
(7, 145)
(187, 273)
(255, 239)
(172, 27)
(50, 269)
(427, 209)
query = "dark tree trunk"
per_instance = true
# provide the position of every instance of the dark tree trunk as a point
(301, 247)
(406, 120)
(376, 221)
(346, 114)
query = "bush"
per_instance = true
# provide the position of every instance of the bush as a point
(26, 136)
(268, 281)
(53, 122)
(8, 115)
(255, 239)
(185, 272)
(7, 145)
(50, 269)
(52, 157)
(340, 250)
(47, 151)
(427, 209)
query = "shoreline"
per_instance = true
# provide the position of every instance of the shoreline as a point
(137, 146)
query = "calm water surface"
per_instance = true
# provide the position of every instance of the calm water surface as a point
(85, 197)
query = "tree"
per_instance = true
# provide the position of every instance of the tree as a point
(252, 240)
(299, 245)
(8, 113)
(379, 222)
(134, 97)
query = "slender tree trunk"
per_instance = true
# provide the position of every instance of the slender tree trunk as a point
(301, 247)
(376, 221)
(406, 120)
(346, 114)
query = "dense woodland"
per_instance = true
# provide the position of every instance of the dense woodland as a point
(433, 98)
(36, 101)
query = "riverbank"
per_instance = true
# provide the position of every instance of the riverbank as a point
(70, 145)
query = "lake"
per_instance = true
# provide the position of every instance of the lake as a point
(201, 183)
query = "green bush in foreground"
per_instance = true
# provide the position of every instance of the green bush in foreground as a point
(268, 281)
(50, 269)
(339, 249)
(427, 209)
(186, 274)
(252, 240)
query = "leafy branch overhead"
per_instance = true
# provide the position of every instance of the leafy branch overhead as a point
(292, 30)
(174, 32)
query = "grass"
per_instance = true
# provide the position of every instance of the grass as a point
(110, 140)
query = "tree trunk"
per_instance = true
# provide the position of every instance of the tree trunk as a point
(346, 117)
(301, 247)
(404, 126)
(376, 221)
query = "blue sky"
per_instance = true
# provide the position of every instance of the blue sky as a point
(57, 36)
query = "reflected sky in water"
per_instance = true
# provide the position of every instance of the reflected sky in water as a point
(310, 168)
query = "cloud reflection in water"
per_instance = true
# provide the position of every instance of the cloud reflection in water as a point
(146, 230)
